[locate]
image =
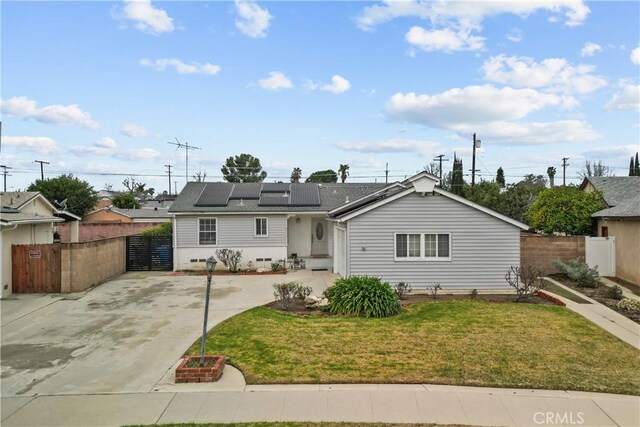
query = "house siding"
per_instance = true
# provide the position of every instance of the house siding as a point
(482, 246)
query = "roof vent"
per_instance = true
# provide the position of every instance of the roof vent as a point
(346, 200)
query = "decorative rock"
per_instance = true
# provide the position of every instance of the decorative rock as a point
(263, 270)
(314, 302)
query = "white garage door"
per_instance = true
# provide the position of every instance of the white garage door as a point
(340, 252)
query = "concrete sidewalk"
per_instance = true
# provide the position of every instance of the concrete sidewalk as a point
(354, 403)
(614, 323)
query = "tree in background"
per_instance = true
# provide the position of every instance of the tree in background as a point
(328, 175)
(137, 188)
(595, 169)
(243, 168)
(551, 172)
(296, 174)
(500, 177)
(200, 176)
(634, 166)
(344, 172)
(125, 201)
(487, 194)
(457, 177)
(80, 196)
(565, 210)
(432, 168)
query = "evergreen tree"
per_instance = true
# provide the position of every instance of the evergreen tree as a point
(632, 167)
(500, 177)
(243, 168)
(637, 167)
(457, 182)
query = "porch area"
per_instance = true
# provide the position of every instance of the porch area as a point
(309, 243)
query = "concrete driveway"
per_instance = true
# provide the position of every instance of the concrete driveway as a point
(122, 336)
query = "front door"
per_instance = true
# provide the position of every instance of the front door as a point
(319, 238)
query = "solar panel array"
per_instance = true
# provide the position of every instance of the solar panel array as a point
(246, 191)
(272, 199)
(305, 195)
(214, 195)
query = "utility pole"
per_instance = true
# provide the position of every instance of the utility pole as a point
(5, 173)
(169, 171)
(564, 170)
(476, 144)
(175, 186)
(440, 159)
(186, 147)
(42, 163)
(386, 174)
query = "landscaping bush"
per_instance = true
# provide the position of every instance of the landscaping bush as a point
(433, 289)
(164, 229)
(579, 272)
(284, 294)
(276, 266)
(230, 258)
(628, 304)
(301, 292)
(614, 292)
(473, 293)
(402, 289)
(525, 280)
(362, 296)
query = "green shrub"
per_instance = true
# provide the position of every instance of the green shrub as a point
(362, 296)
(614, 292)
(628, 304)
(164, 229)
(230, 258)
(284, 294)
(302, 292)
(579, 272)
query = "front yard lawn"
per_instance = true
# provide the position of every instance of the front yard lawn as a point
(460, 342)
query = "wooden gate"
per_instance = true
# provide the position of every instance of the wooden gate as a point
(35, 268)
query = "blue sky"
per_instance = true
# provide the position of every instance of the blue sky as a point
(98, 88)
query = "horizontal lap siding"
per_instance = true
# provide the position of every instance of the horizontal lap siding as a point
(482, 247)
(234, 231)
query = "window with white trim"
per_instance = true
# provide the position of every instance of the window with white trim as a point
(428, 246)
(207, 231)
(261, 227)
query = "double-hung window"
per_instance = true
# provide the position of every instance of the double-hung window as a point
(429, 246)
(207, 231)
(261, 225)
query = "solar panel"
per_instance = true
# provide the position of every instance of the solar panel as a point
(215, 194)
(305, 195)
(246, 191)
(275, 187)
(267, 199)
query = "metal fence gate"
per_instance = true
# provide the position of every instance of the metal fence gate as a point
(149, 253)
(35, 268)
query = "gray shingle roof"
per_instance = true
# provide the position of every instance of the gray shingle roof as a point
(331, 196)
(15, 199)
(620, 193)
(141, 213)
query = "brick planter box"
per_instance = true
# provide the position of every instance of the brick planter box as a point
(199, 374)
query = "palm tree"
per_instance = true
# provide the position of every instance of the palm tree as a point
(296, 175)
(344, 172)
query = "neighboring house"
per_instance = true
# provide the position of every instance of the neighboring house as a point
(410, 231)
(620, 218)
(112, 214)
(267, 221)
(25, 218)
(105, 197)
(156, 204)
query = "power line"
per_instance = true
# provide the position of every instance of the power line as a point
(5, 173)
(42, 163)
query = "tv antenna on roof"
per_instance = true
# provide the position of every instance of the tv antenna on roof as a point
(186, 147)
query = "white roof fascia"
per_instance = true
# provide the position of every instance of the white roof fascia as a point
(372, 206)
(481, 208)
(309, 213)
(33, 220)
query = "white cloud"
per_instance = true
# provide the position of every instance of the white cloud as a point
(425, 148)
(276, 80)
(555, 74)
(446, 40)
(472, 104)
(135, 131)
(338, 85)
(616, 151)
(515, 35)
(146, 17)
(635, 56)
(575, 11)
(21, 106)
(627, 99)
(37, 144)
(590, 49)
(181, 67)
(252, 21)
(519, 133)
(108, 147)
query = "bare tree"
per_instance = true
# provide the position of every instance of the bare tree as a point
(594, 169)
(200, 176)
(432, 168)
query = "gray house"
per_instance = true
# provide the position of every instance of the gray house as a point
(267, 221)
(418, 233)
